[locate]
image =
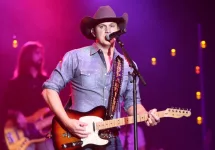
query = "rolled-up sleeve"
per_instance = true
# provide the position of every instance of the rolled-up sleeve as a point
(128, 95)
(63, 73)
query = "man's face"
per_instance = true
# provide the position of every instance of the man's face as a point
(102, 29)
(37, 58)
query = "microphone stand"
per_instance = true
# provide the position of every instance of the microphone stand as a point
(134, 74)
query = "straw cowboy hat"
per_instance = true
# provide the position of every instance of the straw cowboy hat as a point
(103, 14)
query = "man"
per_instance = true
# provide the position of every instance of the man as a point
(23, 104)
(90, 71)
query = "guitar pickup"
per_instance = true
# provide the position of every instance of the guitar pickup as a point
(68, 135)
(73, 144)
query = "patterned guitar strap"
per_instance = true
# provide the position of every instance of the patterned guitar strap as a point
(115, 87)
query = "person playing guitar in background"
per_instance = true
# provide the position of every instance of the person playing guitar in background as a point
(23, 107)
(93, 72)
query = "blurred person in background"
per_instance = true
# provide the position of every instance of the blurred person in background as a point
(23, 110)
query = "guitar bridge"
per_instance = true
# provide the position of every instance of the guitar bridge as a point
(73, 144)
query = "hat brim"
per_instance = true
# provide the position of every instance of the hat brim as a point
(88, 23)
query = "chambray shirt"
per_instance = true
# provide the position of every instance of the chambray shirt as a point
(85, 69)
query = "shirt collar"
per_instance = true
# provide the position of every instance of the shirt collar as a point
(94, 49)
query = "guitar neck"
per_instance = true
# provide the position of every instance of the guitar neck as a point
(124, 121)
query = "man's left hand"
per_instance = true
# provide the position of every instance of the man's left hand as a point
(153, 118)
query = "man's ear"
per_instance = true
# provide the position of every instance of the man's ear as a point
(93, 32)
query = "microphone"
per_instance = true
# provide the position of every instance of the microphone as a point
(116, 34)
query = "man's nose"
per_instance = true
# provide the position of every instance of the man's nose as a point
(107, 30)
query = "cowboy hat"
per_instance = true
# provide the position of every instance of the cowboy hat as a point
(103, 14)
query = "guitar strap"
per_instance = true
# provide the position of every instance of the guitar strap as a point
(116, 83)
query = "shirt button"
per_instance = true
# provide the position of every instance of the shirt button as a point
(105, 74)
(105, 87)
(105, 99)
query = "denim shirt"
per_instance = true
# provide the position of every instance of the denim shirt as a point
(85, 69)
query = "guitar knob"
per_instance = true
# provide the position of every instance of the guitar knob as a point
(64, 146)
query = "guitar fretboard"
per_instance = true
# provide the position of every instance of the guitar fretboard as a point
(123, 121)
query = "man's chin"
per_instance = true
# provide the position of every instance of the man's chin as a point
(106, 43)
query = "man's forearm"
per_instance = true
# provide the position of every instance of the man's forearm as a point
(53, 100)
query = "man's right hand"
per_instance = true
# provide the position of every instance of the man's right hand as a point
(77, 127)
(74, 126)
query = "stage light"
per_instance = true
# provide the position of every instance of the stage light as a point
(203, 44)
(173, 52)
(199, 120)
(197, 70)
(198, 95)
(15, 42)
(154, 61)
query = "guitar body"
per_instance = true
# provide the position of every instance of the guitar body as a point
(61, 136)
(15, 137)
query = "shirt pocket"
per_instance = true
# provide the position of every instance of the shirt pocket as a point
(88, 78)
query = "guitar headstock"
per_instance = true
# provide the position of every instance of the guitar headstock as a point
(177, 113)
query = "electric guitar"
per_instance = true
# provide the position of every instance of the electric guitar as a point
(16, 138)
(64, 140)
